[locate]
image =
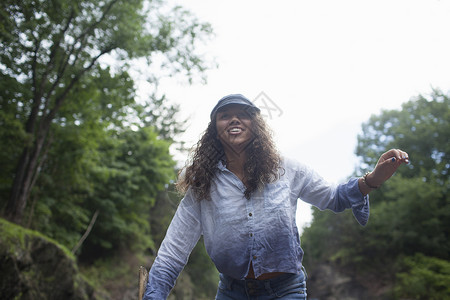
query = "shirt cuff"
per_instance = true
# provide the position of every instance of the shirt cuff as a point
(359, 203)
(154, 295)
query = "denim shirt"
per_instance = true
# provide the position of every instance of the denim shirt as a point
(237, 231)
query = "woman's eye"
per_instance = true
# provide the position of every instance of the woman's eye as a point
(226, 116)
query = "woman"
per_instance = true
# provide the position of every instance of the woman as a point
(241, 195)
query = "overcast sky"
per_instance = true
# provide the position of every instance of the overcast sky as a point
(326, 65)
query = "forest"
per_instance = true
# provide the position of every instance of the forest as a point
(404, 251)
(88, 164)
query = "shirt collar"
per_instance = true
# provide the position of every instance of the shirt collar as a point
(221, 165)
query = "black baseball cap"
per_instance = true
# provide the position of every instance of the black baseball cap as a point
(233, 99)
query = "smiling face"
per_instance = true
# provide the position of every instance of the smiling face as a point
(233, 124)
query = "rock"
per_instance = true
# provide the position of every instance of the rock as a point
(35, 267)
(326, 282)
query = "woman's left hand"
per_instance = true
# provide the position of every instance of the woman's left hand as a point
(386, 166)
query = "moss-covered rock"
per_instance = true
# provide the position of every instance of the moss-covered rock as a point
(33, 266)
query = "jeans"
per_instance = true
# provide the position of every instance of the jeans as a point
(286, 287)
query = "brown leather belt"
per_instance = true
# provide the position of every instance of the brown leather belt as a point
(265, 276)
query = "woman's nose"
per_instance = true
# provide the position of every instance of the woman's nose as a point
(234, 119)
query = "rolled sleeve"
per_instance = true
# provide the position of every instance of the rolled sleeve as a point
(349, 196)
(356, 201)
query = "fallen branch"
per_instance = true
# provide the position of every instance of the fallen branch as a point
(85, 235)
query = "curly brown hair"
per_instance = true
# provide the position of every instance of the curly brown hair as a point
(262, 165)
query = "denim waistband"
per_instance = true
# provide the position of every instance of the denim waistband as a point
(274, 280)
(258, 284)
(254, 287)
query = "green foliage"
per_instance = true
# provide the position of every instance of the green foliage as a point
(410, 213)
(133, 173)
(122, 183)
(203, 273)
(16, 238)
(331, 238)
(64, 62)
(113, 276)
(200, 268)
(422, 127)
(36, 267)
(416, 219)
(13, 135)
(74, 138)
(422, 277)
(66, 115)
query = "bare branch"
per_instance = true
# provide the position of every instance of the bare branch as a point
(65, 60)
(94, 24)
(143, 278)
(85, 235)
(60, 99)
(29, 127)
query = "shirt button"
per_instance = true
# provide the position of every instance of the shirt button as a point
(254, 256)
(251, 234)
(250, 214)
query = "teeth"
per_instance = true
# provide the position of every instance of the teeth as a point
(235, 130)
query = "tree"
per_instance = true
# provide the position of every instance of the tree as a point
(423, 277)
(421, 127)
(414, 207)
(410, 213)
(135, 167)
(93, 166)
(65, 179)
(47, 49)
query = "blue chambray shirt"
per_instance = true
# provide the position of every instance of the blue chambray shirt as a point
(238, 231)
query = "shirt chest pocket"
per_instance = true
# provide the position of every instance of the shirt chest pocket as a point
(276, 196)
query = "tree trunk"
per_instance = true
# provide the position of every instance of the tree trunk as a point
(16, 201)
(48, 99)
(23, 181)
(27, 166)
